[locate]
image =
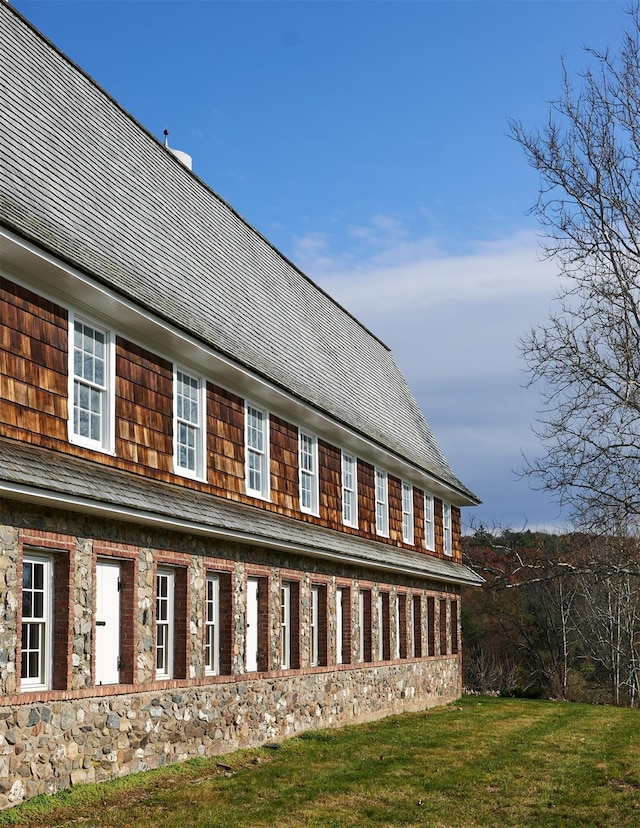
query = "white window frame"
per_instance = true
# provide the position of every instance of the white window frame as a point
(165, 621)
(407, 513)
(382, 502)
(349, 490)
(398, 627)
(340, 597)
(314, 638)
(40, 624)
(257, 454)
(447, 536)
(195, 425)
(212, 625)
(361, 624)
(380, 627)
(308, 477)
(104, 391)
(285, 625)
(429, 524)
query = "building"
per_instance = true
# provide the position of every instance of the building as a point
(223, 517)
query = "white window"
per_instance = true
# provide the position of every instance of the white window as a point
(257, 451)
(361, 642)
(165, 589)
(315, 651)
(399, 621)
(446, 528)
(285, 625)
(349, 490)
(429, 531)
(340, 600)
(212, 626)
(308, 462)
(91, 383)
(189, 431)
(37, 622)
(382, 503)
(407, 513)
(380, 627)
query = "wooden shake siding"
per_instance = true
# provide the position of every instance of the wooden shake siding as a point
(144, 408)
(284, 465)
(33, 367)
(366, 499)
(330, 473)
(418, 519)
(438, 526)
(225, 442)
(456, 530)
(34, 408)
(395, 509)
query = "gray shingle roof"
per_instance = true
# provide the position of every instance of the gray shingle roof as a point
(81, 178)
(74, 483)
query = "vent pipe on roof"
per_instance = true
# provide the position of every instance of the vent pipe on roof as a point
(183, 157)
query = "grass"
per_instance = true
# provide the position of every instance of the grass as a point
(479, 762)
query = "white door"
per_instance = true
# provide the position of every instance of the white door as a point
(107, 622)
(251, 652)
(339, 630)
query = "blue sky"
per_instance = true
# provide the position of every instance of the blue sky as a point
(369, 142)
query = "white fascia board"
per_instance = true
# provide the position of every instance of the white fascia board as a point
(40, 271)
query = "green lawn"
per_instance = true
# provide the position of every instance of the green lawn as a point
(479, 762)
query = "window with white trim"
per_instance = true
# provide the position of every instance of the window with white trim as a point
(257, 451)
(314, 631)
(165, 591)
(349, 490)
(446, 529)
(407, 512)
(189, 432)
(285, 625)
(308, 463)
(212, 626)
(91, 385)
(37, 622)
(429, 530)
(382, 503)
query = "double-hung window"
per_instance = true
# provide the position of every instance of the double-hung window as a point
(91, 383)
(308, 462)
(429, 532)
(382, 503)
(189, 424)
(37, 622)
(446, 529)
(285, 625)
(349, 490)
(314, 630)
(212, 626)
(165, 590)
(407, 513)
(257, 451)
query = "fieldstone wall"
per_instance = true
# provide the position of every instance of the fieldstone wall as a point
(78, 732)
(51, 746)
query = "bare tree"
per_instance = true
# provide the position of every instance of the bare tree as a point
(587, 354)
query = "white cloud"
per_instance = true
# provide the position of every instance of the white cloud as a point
(452, 322)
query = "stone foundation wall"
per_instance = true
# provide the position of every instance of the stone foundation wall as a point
(77, 731)
(51, 746)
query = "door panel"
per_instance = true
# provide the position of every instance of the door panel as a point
(251, 653)
(107, 622)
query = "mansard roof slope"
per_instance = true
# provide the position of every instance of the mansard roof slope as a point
(82, 179)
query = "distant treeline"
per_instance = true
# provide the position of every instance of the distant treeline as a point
(557, 617)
